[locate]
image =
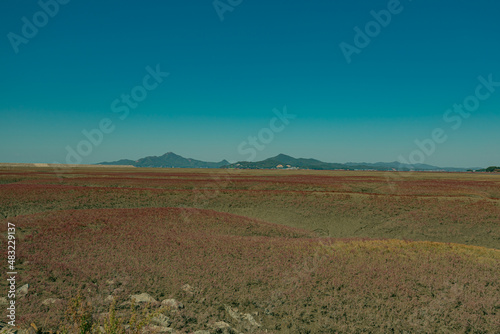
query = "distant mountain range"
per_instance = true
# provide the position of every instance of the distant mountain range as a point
(281, 161)
(285, 161)
(168, 160)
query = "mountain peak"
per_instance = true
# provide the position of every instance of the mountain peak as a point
(283, 156)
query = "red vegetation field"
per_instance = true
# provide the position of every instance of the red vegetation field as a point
(217, 241)
(292, 281)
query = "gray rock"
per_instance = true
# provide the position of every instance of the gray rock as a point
(248, 317)
(172, 303)
(161, 320)
(188, 288)
(3, 301)
(50, 301)
(233, 313)
(143, 298)
(221, 325)
(23, 291)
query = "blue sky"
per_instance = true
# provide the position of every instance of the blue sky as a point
(227, 76)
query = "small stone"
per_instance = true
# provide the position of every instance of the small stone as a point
(221, 325)
(188, 288)
(109, 299)
(202, 332)
(3, 301)
(172, 303)
(50, 301)
(23, 291)
(143, 298)
(161, 320)
(232, 313)
(250, 319)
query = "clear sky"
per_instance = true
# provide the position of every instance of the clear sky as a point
(361, 95)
